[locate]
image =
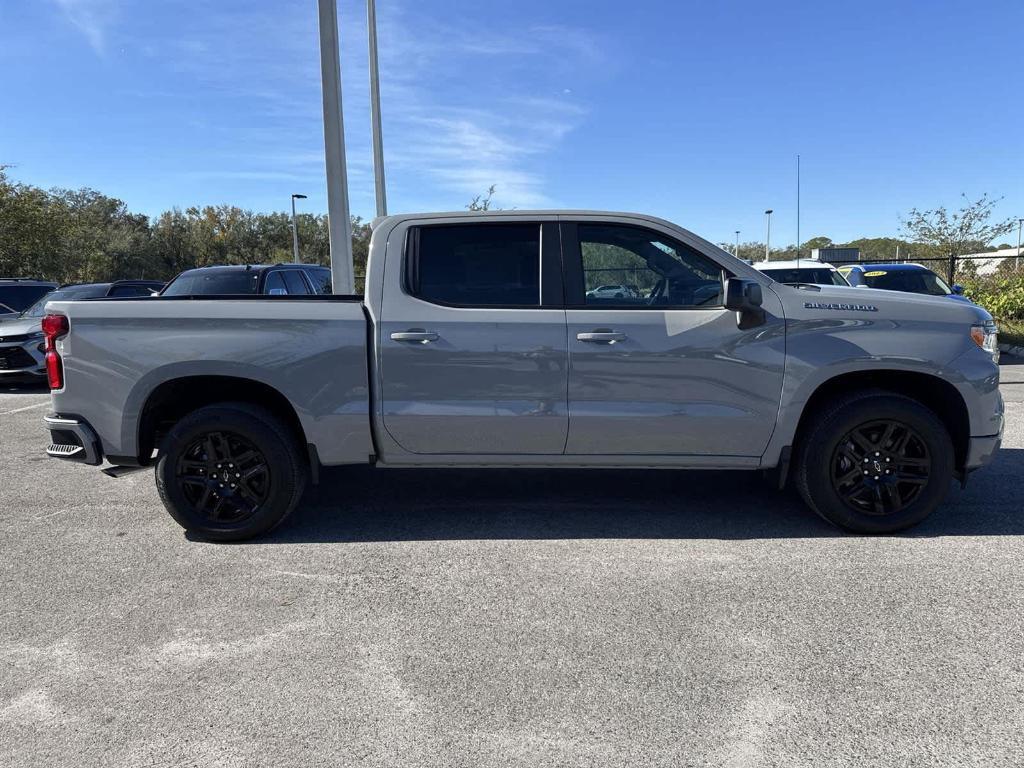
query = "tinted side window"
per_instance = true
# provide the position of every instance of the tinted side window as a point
(320, 278)
(294, 283)
(479, 265)
(275, 284)
(633, 267)
(211, 283)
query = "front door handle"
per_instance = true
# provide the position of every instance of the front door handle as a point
(601, 337)
(422, 337)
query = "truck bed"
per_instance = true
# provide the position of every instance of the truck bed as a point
(311, 349)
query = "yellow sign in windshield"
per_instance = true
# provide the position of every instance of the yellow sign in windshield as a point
(876, 273)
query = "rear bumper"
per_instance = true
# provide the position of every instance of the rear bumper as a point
(72, 439)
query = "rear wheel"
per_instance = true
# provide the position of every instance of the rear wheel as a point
(875, 462)
(229, 472)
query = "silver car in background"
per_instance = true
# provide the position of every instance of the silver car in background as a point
(22, 347)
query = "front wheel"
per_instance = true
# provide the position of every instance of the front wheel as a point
(875, 462)
(230, 472)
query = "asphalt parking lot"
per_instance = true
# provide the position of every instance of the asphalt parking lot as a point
(472, 618)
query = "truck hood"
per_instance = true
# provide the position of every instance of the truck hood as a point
(889, 304)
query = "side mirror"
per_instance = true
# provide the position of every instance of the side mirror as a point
(745, 297)
(958, 289)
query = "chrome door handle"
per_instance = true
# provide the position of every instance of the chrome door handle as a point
(423, 337)
(601, 337)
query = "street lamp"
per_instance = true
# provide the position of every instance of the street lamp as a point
(768, 234)
(737, 254)
(1019, 223)
(378, 142)
(295, 230)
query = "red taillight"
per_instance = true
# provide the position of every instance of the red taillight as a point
(54, 326)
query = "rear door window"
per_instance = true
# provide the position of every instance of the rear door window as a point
(295, 283)
(479, 265)
(275, 284)
(320, 278)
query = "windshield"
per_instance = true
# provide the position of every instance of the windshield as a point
(908, 281)
(221, 282)
(71, 293)
(813, 275)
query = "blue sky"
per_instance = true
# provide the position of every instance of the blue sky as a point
(690, 110)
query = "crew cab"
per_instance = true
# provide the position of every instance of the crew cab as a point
(477, 344)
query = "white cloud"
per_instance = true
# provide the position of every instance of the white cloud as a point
(92, 18)
(521, 108)
(464, 105)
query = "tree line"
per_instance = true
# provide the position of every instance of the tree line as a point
(927, 234)
(82, 235)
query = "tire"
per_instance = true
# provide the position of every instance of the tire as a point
(875, 462)
(230, 472)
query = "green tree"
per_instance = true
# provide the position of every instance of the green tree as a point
(967, 230)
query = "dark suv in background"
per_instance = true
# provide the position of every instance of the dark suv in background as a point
(19, 293)
(251, 279)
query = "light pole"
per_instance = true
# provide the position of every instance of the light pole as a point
(378, 141)
(1020, 222)
(737, 254)
(768, 234)
(339, 225)
(295, 230)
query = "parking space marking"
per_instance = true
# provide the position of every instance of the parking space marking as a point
(25, 408)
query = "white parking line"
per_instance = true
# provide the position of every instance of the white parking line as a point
(26, 408)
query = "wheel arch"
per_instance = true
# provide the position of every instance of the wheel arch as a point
(175, 398)
(935, 393)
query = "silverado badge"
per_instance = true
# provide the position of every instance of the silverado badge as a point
(845, 307)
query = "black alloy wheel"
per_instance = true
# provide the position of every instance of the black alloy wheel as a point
(874, 461)
(224, 476)
(231, 471)
(879, 468)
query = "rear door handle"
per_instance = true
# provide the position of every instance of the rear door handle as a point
(601, 337)
(423, 337)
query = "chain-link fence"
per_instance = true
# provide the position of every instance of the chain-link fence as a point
(960, 269)
(995, 281)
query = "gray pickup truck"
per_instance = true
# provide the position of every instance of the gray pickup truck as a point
(481, 342)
